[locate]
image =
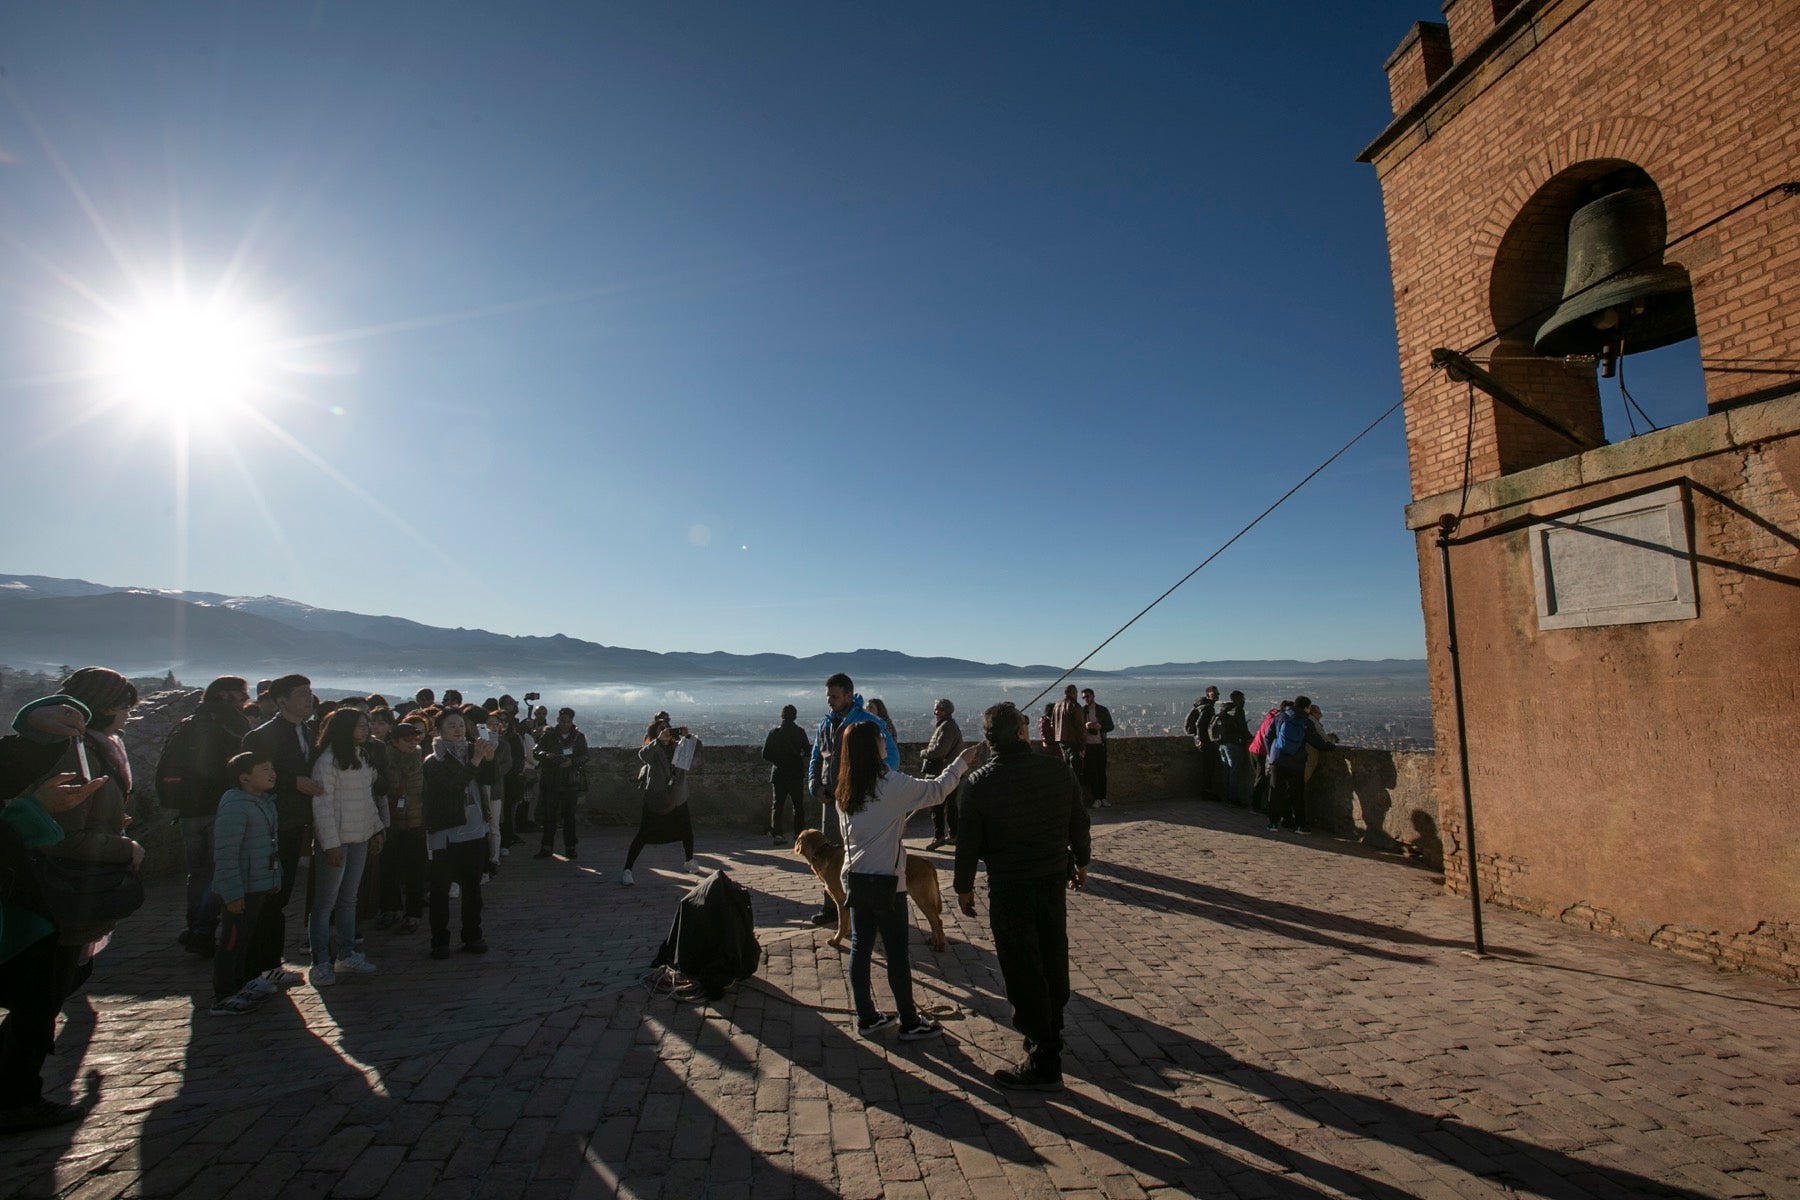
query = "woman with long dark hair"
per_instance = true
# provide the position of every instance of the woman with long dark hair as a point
(347, 828)
(873, 805)
(667, 754)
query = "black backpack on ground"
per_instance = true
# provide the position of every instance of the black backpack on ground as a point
(713, 940)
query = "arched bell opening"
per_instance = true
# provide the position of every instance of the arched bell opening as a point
(1580, 292)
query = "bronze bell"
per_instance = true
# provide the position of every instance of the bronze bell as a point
(1618, 295)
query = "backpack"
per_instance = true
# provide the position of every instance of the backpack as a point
(177, 767)
(1289, 736)
(1193, 721)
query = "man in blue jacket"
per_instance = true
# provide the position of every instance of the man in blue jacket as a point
(822, 768)
(1290, 735)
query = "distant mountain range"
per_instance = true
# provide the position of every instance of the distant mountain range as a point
(47, 622)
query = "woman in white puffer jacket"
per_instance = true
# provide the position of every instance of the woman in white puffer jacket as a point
(347, 828)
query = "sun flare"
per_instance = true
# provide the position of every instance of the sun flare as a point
(185, 360)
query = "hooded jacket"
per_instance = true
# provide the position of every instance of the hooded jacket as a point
(821, 768)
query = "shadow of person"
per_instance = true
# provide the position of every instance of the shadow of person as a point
(1372, 781)
(1428, 845)
(1142, 887)
(29, 1159)
(943, 1087)
(1190, 1083)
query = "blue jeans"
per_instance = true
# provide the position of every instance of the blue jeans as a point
(202, 905)
(893, 928)
(1235, 762)
(335, 888)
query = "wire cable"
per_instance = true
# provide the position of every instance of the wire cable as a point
(1255, 521)
(1785, 190)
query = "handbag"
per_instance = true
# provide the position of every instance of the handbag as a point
(872, 892)
(87, 892)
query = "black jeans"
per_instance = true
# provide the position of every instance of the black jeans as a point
(787, 793)
(512, 792)
(1287, 794)
(403, 872)
(893, 928)
(461, 863)
(1072, 756)
(560, 806)
(28, 992)
(943, 817)
(1031, 940)
(231, 968)
(1093, 770)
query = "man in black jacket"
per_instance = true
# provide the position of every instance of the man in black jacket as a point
(1022, 814)
(786, 750)
(562, 755)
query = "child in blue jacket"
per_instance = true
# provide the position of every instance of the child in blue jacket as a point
(246, 874)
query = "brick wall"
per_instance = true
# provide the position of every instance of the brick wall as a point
(1699, 95)
(1625, 777)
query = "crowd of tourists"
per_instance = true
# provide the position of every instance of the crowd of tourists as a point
(401, 810)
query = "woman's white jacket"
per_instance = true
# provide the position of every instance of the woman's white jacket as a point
(345, 812)
(872, 834)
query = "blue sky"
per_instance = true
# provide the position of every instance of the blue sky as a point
(947, 329)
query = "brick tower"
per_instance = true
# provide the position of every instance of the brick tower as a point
(1629, 614)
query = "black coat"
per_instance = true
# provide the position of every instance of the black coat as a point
(1021, 814)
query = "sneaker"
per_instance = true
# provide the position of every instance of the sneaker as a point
(775, 839)
(322, 976)
(934, 843)
(282, 977)
(440, 951)
(39, 1114)
(920, 1029)
(356, 964)
(544, 853)
(505, 853)
(260, 987)
(625, 878)
(203, 943)
(1028, 1079)
(1301, 829)
(387, 920)
(570, 854)
(692, 866)
(456, 891)
(881, 1022)
(478, 946)
(184, 936)
(410, 925)
(823, 919)
(1272, 827)
(234, 1005)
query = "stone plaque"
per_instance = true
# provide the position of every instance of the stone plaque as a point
(1621, 563)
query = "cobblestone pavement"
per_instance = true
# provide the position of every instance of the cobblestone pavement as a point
(1255, 1015)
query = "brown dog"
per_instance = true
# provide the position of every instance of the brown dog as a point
(826, 858)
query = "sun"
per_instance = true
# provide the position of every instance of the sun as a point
(188, 360)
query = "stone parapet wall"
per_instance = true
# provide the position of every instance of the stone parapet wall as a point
(1380, 798)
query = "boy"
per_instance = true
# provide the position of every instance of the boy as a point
(246, 876)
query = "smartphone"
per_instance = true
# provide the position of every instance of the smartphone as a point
(484, 733)
(82, 766)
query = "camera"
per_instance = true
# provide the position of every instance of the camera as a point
(533, 697)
